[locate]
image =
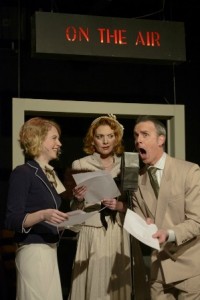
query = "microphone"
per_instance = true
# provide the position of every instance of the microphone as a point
(129, 171)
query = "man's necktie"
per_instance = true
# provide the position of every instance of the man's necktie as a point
(153, 179)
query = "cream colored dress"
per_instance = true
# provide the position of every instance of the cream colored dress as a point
(102, 267)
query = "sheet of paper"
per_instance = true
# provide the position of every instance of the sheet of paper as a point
(100, 184)
(137, 227)
(76, 217)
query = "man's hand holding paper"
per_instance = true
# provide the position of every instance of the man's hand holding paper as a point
(142, 231)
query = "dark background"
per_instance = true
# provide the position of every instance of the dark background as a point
(23, 76)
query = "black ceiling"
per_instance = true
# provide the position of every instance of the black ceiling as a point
(155, 9)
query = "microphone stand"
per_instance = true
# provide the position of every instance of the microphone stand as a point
(140, 289)
(130, 206)
(129, 185)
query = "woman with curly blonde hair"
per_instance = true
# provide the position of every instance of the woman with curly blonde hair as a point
(33, 212)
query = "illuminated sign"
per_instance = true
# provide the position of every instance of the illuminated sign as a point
(94, 37)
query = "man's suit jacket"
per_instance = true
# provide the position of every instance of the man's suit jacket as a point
(177, 208)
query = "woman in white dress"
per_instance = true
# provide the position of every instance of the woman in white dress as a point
(102, 266)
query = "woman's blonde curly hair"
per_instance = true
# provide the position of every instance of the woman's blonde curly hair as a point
(33, 133)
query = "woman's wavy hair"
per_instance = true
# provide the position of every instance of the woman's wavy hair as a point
(32, 134)
(111, 121)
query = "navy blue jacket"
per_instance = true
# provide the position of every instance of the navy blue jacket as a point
(30, 191)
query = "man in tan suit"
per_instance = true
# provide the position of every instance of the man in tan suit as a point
(175, 269)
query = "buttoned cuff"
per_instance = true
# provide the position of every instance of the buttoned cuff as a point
(171, 237)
